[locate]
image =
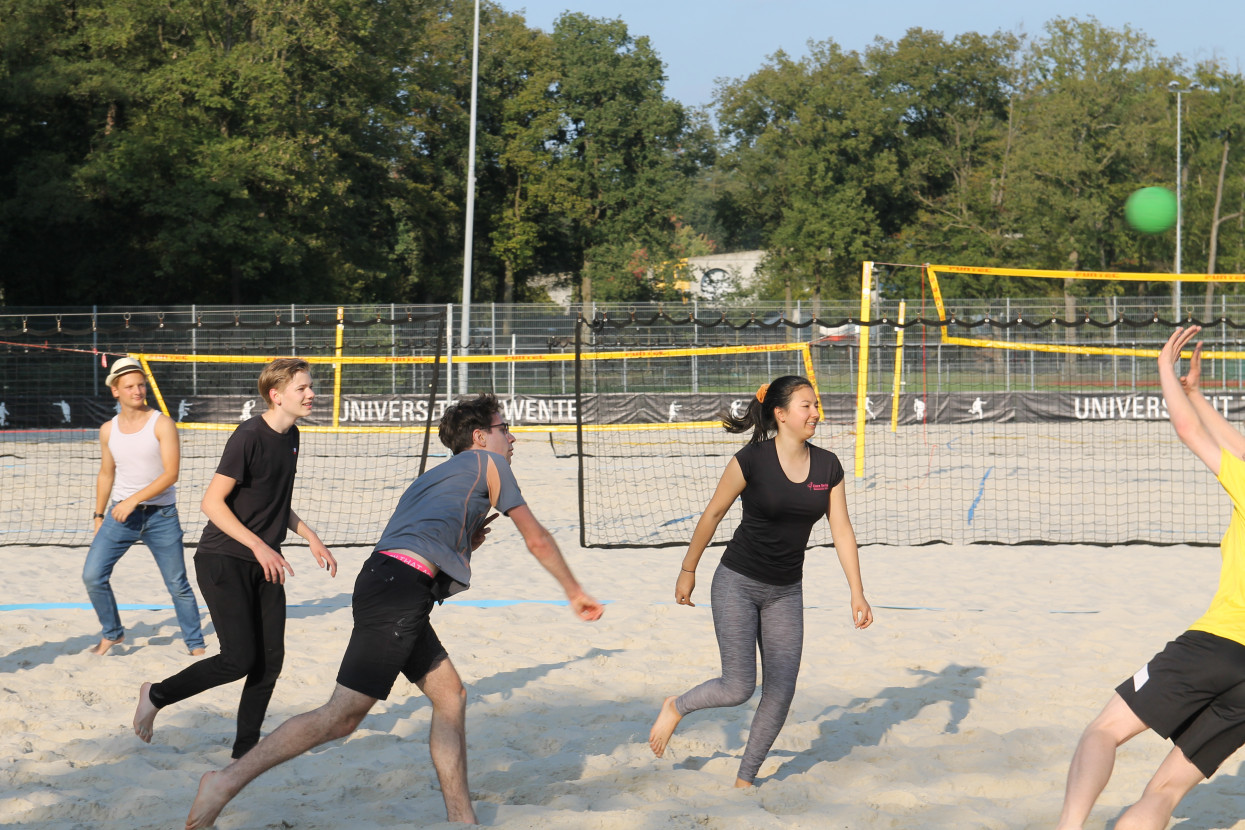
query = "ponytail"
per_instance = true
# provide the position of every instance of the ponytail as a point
(759, 416)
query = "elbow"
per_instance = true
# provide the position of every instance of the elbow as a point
(542, 545)
(1188, 427)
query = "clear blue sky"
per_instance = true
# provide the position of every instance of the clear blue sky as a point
(701, 41)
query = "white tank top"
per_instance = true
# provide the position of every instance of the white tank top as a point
(138, 461)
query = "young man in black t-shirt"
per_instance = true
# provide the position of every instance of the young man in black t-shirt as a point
(239, 566)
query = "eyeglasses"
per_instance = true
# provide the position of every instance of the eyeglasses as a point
(503, 426)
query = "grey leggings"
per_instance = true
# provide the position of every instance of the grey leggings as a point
(747, 614)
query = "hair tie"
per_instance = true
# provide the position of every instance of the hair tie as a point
(761, 390)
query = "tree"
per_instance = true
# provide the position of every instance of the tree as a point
(1087, 137)
(814, 165)
(239, 150)
(617, 149)
(954, 101)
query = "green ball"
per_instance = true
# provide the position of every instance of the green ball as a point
(1151, 209)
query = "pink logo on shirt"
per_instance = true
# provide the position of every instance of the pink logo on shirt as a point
(813, 486)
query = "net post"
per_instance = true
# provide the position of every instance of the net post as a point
(810, 372)
(579, 426)
(862, 371)
(155, 387)
(337, 367)
(898, 368)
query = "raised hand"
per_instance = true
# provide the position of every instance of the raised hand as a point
(1192, 380)
(1175, 345)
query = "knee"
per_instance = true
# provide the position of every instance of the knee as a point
(451, 701)
(345, 724)
(236, 663)
(93, 576)
(737, 692)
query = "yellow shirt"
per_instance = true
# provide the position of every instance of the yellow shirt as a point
(1226, 615)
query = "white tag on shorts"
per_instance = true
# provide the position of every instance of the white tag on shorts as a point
(1140, 678)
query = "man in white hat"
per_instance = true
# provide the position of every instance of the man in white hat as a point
(136, 501)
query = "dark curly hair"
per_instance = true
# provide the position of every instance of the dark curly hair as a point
(461, 420)
(759, 417)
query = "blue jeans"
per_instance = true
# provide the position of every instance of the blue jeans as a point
(159, 529)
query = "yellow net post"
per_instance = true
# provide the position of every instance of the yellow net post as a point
(337, 366)
(898, 368)
(862, 373)
(151, 379)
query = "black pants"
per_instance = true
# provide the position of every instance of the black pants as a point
(249, 615)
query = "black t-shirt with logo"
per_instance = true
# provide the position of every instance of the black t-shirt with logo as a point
(262, 461)
(778, 513)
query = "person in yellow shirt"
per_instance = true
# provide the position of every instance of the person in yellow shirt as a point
(1193, 691)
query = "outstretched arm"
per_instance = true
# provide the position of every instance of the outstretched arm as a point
(1223, 432)
(1180, 410)
(542, 545)
(729, 487)
(849, 556)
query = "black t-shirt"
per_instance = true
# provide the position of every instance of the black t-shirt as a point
(778, 513)
(262, 461)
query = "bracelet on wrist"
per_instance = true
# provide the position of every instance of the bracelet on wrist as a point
(98, 516)
(685, 570)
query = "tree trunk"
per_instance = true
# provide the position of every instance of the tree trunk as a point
(507, 296)
(788, 310)
(1208, 308)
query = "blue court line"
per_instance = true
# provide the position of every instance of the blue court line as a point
(86, 606)
(981, 491)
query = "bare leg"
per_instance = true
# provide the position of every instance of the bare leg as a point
(667, 719)
(741, 784)
(447, 739)
(105, 644)
(1172, 782)
(145, 714)
(198, 652)
(1095, 758)
(335, 719)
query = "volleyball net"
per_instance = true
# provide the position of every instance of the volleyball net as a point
(1001, 421)
(956, 420)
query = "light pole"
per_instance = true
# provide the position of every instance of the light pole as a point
(470, 209)
(1175, 87)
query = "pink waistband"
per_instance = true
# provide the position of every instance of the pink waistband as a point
(408, 560)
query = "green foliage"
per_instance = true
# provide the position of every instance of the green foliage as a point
(235, 151)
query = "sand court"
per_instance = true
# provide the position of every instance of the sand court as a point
(960, 707)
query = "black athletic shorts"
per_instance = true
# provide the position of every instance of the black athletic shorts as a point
(1193, 691)
(392, 633)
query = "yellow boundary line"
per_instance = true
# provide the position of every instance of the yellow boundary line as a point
(952, 340)
(362, 360)
(340, 360)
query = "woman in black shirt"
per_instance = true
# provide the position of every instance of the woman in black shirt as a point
(787, 485)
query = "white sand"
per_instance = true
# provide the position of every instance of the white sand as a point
(961, 713)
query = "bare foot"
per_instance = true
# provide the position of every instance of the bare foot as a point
(198, 652)
(741, 784)
(209, 801)
(667, 719)
(145, 714)
(105, 644)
